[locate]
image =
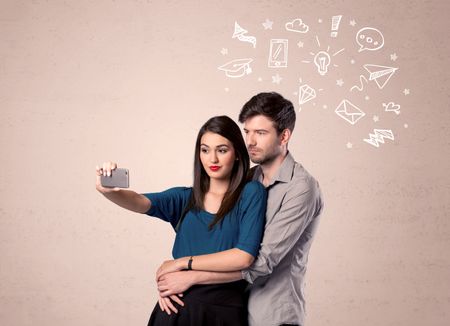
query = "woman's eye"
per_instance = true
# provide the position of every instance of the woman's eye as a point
(204, 150)
(223, 151)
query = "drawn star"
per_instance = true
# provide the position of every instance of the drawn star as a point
(367, 97)
(339, 82)
(406, 91)
(320, 20)
(267, 24)
(352, 23)
(325, 106)
(300, 44)
(349, 145)
(376, 118)
(227, 89)
(352, 61)
(260, 79)
(276, 79)
(394, 56)
(224, 51)
(405, 125)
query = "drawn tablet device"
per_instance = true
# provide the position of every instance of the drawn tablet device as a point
(118, 178)
(278, 55)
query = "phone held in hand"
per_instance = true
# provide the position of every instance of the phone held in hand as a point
(119, 178)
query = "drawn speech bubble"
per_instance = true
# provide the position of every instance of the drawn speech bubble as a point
(370, 39)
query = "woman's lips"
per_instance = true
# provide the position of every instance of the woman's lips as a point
(214, 168)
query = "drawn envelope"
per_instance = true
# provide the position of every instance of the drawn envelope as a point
(349, 112)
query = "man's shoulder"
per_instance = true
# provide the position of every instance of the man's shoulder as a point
(302, 181)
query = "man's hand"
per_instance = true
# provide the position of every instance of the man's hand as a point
(174, 283)
(170, 266)
(166, 303)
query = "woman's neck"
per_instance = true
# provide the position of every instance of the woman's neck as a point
(218, 186)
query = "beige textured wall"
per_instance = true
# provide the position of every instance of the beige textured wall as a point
(82, 82)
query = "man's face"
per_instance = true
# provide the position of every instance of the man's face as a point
(263, 142)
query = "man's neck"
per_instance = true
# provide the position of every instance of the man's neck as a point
(271, 168)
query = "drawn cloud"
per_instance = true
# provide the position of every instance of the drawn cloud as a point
(297, 25)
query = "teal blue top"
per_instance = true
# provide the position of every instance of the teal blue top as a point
(241, 228)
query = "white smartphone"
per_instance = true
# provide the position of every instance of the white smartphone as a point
(119, 177)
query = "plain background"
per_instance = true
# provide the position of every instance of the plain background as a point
(83, 82)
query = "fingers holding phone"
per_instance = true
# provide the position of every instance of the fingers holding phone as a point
(110, 178)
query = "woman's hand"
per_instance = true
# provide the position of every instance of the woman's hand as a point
(166, 303)
(105, 170)
(170, 266)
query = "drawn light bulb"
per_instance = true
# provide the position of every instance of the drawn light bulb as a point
(322, 61)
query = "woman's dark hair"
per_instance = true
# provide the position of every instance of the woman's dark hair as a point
(273, 106)
(226, 127)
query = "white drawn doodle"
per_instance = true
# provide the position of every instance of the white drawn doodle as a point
(349, 112)
(297, 25)
(305, 93)
(380, 74)
(239, 33)
(237, 68)
(370, 39)
(267, 24)
(392, 107)
(276, 79)
(360, 88)
(406, 91)
(278, 53)
(378, 137)
(322, 61)
(335, 21)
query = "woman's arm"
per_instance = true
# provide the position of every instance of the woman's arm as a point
(224, 261)
(124, 198)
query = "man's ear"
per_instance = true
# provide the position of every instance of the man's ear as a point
(285, 136)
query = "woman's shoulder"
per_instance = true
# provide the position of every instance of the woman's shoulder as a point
(253, 188)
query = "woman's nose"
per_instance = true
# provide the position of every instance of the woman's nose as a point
(213, 157)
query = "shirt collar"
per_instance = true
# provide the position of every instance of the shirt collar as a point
(284, 173)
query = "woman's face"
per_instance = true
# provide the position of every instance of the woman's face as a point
(217, 155)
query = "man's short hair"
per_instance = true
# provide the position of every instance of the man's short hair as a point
(273, 106)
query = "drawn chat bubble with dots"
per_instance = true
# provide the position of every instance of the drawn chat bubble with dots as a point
(370, 39)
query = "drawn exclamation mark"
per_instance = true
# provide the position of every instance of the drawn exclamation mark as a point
(335, 25)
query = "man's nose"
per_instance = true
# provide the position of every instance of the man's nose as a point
(251, 140)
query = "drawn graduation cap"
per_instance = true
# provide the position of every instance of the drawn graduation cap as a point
(237, 68)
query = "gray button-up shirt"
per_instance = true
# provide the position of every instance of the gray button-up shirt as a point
(293, 209)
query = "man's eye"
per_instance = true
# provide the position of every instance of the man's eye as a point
(260, 132)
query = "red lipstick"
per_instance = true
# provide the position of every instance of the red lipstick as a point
(214, 168)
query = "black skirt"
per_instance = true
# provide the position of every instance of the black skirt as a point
(207, 305)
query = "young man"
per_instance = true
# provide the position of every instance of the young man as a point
(293, 211)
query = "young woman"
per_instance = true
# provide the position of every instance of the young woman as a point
(221, 214)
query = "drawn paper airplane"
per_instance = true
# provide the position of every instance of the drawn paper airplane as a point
(349, 112)
(378, 137)
(305, 94)
(237, 68)
(380, 74)
(239, 33)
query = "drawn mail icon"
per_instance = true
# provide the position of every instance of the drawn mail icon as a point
(349, 112)
(237, 68)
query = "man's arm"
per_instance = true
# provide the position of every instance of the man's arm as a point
(302, 204)
(178, 282)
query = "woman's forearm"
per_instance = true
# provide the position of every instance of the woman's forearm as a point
(224, 261)
(129, 199)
